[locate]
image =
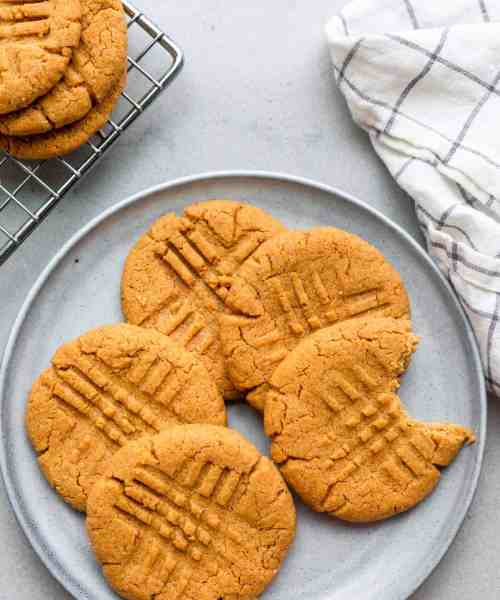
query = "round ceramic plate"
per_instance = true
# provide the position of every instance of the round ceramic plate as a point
(330, 560)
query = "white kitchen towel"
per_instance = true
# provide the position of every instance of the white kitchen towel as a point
(422, 77)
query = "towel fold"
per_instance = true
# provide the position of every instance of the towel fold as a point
(422, 77)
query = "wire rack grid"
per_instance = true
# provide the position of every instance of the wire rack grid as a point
(29, 190)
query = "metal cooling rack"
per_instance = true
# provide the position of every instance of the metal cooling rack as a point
(29, 190)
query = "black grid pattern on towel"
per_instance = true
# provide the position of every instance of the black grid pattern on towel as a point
(455, 254)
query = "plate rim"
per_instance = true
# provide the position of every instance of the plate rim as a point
(50, 562)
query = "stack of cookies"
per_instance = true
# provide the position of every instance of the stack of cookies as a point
(223, 303)
(64, 66)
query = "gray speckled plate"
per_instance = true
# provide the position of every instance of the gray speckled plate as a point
(330, 560)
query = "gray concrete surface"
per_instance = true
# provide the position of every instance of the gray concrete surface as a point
(256, 93)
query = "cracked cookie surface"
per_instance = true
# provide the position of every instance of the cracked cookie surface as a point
(194, 513)
(36, 44)
(295, 284)
(95, 69)
(59, 142)
(109, 386)
(176, 277)
(339, 432)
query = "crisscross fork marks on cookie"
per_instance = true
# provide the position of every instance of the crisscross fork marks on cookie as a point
(315, 309)
(187, 256)
(372, 425)
(190, 506)
(120, 399)
(220, 489)
(183, 520)
(78, 382)
(153, 512)
(111, 408)
(70, 397)
(403, 464)
(159, 380)
(216, 485)
(376, 428)
(18, 18)
(205, 492)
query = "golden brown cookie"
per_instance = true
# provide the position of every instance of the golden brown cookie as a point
(194, 513)
(62, 141)
(109, 386)
(176, 277)
(339, 432)
(95, 69)
(295, 284)
(36, 43)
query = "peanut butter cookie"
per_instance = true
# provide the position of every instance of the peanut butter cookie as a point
(193, 513)
(339, 432)
(95, 69)
(59, 142)
(36, 43)
(109, 386)
(295, 284)
(176, 277)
